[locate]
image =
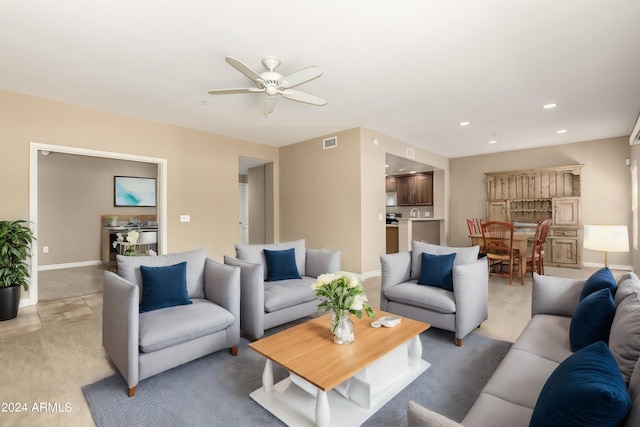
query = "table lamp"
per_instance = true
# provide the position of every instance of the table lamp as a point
(606, 238)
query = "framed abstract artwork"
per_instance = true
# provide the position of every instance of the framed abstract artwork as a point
(134, 191)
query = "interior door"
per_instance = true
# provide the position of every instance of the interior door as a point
(243, 213)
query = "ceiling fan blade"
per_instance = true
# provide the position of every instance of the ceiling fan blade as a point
(232, 91)
(244, 69)
(269, 104)
(302, 76)
(296, 95)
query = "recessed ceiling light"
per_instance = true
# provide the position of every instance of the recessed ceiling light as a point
(464, 123)
(493, 141)
(386, 166)
(561, 131)
(412, 172)
(549, 106)
(401, 169)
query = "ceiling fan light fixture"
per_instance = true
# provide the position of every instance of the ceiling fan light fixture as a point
(273, 84)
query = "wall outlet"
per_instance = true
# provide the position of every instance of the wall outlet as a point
(427, 214)
(45, 249)
(185, 218)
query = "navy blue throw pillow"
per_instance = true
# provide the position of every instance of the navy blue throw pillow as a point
(437, 270)
(281, 265)
(586, 389)
(601, 279)
(591, 322)
(164, 286)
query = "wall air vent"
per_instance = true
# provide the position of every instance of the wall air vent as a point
(634, 138)
(411, 153)
(330, 143)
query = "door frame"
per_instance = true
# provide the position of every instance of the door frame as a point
(36, 147)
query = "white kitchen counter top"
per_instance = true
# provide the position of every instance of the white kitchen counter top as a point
(420, 219)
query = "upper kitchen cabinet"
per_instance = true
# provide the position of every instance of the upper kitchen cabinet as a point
(414, 189)
(424, 189)
(390, 184)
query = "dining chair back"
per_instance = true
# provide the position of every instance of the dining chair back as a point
(497, 237)
(474, 225)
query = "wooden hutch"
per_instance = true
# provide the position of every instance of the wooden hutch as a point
(530, 195)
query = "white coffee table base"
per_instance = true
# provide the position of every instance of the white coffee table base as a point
(296, 407)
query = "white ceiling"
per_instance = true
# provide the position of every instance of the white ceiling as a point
(411, 69)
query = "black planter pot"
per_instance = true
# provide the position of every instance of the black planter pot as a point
(9, 302)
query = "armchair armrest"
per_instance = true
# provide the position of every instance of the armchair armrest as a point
(395, 269)
(120, 325)
(321, 261)
(222, 286)
(252, 292)
(471, 290)
(555, 295)
(419, 416)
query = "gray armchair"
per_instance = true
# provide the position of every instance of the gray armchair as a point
(141, 345)
(265, 304)
(461, 310)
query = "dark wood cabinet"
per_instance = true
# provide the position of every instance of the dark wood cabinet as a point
(393, 245)
(405, 188)
(424, 189)
(391, 184)
(415, 190)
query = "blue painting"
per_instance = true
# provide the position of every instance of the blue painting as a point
(132, 191)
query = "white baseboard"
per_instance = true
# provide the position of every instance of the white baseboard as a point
(611, 266)
(370, 274)
(68, 265)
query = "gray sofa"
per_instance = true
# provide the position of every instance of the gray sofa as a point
(460, 311)
(143, 344)
(510, 396)
(266, 304)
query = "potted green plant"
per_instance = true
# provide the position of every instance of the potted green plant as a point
(15, 251)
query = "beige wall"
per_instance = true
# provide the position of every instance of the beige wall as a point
(605, 185)
(73, 193)
(320, 195)
(202, 168)
(336, 198)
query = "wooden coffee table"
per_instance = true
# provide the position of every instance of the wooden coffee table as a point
(332, 384)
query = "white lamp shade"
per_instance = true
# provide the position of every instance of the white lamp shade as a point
(606, 238)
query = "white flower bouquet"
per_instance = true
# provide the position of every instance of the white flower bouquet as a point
(340, 292)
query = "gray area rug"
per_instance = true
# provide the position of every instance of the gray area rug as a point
(214, 390)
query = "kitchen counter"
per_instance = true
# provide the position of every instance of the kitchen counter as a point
(421, 229)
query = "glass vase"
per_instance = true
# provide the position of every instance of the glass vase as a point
(342, 327)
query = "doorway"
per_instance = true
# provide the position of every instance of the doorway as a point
(36, 149)
(255, 201)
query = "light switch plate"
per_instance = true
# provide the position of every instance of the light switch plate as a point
(185, 218)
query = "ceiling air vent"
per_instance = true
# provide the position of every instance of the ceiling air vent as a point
(330, 143)
(411, 153)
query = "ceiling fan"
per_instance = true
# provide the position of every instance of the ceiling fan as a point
(273, 84)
